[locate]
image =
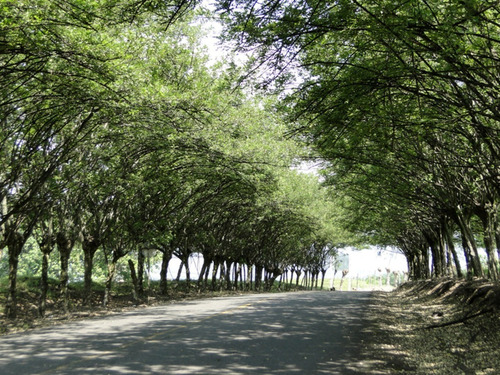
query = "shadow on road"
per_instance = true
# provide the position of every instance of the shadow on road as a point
(298, 333)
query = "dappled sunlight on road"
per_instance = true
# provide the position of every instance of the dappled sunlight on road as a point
(302, 333)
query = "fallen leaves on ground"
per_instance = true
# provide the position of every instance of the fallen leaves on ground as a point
(435, 327)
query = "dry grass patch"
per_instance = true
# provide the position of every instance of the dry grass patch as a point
(438, 327)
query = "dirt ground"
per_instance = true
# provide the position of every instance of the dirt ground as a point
(437, 327)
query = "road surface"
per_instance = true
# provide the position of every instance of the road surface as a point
(288, 333)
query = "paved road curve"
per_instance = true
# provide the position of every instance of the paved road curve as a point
(289, 333)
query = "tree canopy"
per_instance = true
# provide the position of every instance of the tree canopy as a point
(118, 137)
(401, 100)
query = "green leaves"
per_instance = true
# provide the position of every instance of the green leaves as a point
(398, 97)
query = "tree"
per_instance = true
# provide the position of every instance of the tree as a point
(398, 98)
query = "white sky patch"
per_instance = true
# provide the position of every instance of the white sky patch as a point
(217, 51)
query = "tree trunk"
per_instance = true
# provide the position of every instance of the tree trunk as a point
(437, 252)
(249, 277)
(188, 274)
(229, 265)
(222, 275)
(203, 271)
(140, 273)
(298, 272)
(135, 281)
(489, 240)
(469, 243)
(65, 245)
(15, 242)
(258, 277)
(179, 272)
(237, 275)
(214, 274)
(89, 247)
(451, 246)
(167, 256)
(46, 247)
(207, 272)
(323, 274)
(109, 280)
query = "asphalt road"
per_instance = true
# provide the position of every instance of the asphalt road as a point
(289, 333)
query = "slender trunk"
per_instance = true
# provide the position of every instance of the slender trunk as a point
(469, 243)
(11, 302)
(65, 245)
(222, 275)
(179, 272)
(140, 273)
(445, 251)
(451, 247)
(109, 280)
(46, 246)
(88, 265)
(489, 240)
(44, 285)
(188, 273)
(15, 243)
(249, 277)
(64, 279)
(167, 256)
(214, 274)
(135, 281)
(242, 276)
(207, 272)
(258, 277)
(89, 247)
(229, 265)
(323, 274)
(202, 274)
(438, 256)
(237, 275)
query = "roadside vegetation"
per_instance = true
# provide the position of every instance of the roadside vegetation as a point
(441, 326)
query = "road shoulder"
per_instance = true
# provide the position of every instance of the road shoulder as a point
(439, 327)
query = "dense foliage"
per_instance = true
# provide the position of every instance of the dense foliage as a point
(119, 138)
(401, 99)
